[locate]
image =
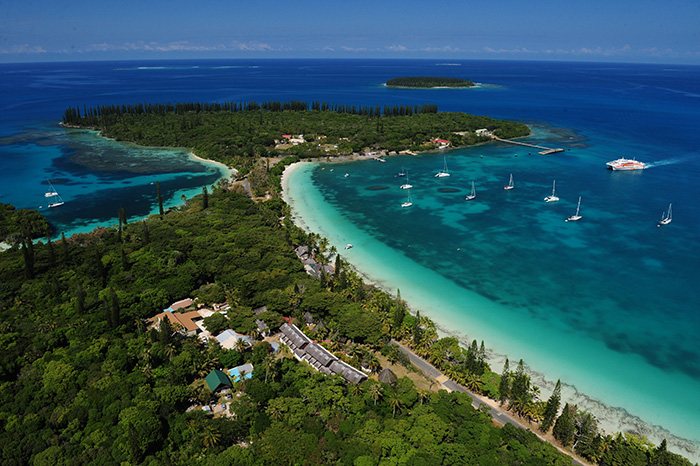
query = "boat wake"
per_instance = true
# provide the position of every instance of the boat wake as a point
(671, 161)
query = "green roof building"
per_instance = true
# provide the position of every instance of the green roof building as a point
(216, 380)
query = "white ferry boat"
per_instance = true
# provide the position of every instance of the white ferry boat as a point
(626, 164)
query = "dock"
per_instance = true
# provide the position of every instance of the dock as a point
(544, 150)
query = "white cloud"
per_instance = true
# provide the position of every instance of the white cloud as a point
(397, 48)
(352, 49)
(446, 48)
(177, 46)
(657, 52)
(517, 50)
(596, 51)
(22, 49)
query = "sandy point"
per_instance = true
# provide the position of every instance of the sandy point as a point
(228, 171)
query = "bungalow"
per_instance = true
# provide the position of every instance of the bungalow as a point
(441, 142)
(289, 139)
(317, 356)
(295, 339)
(183, 322)
(229, 339)
(217, 380)
(348, 372)
(482, 132)
(263, 328)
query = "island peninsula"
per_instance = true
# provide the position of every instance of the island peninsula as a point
(240, 134)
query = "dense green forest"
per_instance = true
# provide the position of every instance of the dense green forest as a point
(83, 381)
(428, 82)
(239, 134)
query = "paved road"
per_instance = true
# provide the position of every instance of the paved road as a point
(499, 414)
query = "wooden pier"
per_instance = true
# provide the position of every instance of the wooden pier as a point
(544, 151)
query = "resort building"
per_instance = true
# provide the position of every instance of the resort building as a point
(317, 356)
(217, 380)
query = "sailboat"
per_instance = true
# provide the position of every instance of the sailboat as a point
(666, 217)
(406, 185)
(510, 183)
(553, 197)
(402, 173)
(576, 216)
(444, 171)
(408, 202)
(56, 199)
(471, 195)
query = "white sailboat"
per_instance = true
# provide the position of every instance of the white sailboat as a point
(402, 173)
(406, 184)
(510, 183)
(576, 216)
(444, 171)
(56, 199)
(666, 217)
(408, 202)
(471, 195)
(553, 197)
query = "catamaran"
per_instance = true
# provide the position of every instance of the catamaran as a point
(471, 195)
(553, 197)
(406, 185)
(444, 171)
(408, 202)
(626, 164)
(56, 199)
(666, 217)
(510, 183)
(576, 216)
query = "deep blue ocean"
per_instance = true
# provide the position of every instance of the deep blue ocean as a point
(609, 304)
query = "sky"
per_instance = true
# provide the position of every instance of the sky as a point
(642, 31)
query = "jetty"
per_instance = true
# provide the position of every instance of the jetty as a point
(544, 150)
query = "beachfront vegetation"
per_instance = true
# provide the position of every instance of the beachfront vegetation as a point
(83, 381)
(427, 82)
(238, 135)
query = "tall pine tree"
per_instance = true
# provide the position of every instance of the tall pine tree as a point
(552, 408)
(160, 200)
(564, 428)
(504, 386)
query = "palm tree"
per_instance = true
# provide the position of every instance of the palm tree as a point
(170, 351)
(240, 345)
(422, 394)
(210, 436)
(372, 362)
(354, 389)
(269, 364)
(395, 402)
(473, 383)
(375, 391)
(355, 352)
